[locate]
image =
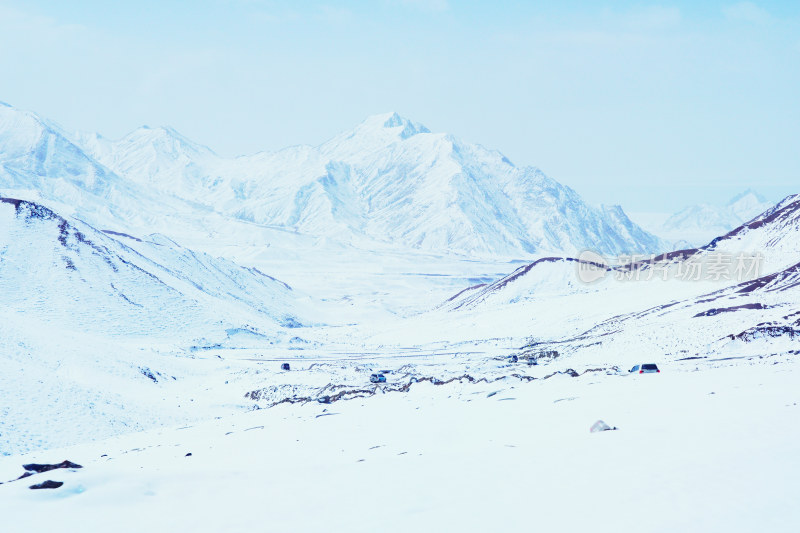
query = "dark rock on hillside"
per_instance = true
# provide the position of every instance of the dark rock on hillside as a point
(49, 484)
(39, 468)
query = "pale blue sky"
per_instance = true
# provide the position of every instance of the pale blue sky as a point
(653, 106)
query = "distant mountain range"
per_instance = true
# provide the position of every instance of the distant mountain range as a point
(389, 181)
(696, 225)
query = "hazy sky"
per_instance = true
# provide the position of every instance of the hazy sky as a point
(653, 106)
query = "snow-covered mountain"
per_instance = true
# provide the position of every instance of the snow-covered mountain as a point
(698, 224)
(40, 161)
(389, 180)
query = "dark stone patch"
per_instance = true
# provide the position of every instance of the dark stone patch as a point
(148, 373)
(716, 311)
(119, 234)
(472, 288)
(39, 468)
(30, 209)
(49, 484)
(767, 331)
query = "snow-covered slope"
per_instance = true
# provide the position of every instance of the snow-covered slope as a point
(92, 321)
(389, 180)
(717, 441)
(69, 275)
(148, 154)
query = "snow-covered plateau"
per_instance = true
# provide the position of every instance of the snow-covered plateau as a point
(152, 292)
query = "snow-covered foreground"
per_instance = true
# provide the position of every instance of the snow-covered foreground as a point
(706, 445)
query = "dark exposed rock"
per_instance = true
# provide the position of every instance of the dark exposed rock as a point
(148, 373)
(119, 234)
(39, 468)
(765, 331)
(716, 311)
(49, 484)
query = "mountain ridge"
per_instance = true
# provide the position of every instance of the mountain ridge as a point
(392, 180)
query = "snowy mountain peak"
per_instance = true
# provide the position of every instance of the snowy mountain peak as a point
(19, 129)
(747, 196)
(164, 140)
(392, 123)
(747, 204)
(409, 128)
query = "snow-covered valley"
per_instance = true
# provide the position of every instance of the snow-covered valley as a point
(151, 292)
(707, 445)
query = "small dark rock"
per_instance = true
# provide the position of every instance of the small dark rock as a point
(148, 373)
(49, 484)
(188, 454)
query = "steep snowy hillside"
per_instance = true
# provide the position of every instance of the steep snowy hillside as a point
(546, 277)
(389, 180)
(69, 275)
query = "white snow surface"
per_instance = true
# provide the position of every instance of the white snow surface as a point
(702, 446)
(151, 290)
